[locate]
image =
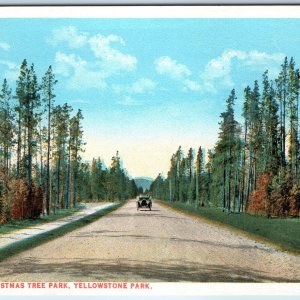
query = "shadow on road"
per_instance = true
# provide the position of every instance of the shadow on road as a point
(124, 234)
(138, 214)
(149, 210)
(130, 270)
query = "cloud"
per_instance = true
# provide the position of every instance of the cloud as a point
(262, 58)
(141, 86)
(9, 64)
(106, 60)
(261, 61)
(112, 59)
(69, 35)
(129, 101)
(218, 70)
(65, 64)
(11, 72)
(80, 101)
(81, 75)
(165, 65)
(192, 85)
(4, 46)
(84, 79)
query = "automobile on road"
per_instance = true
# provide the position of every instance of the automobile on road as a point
(144, 202)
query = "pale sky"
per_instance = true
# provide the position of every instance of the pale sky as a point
(146, 86)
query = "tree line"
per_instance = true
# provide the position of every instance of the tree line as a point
(41, 169)
(100, 183)
(254, 165)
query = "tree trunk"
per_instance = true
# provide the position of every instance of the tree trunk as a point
(297, 137)
(249, 180)
(208, 187)
(229, 180)
(170, 188)
(197, 191)
(67, 195)
(283, 125)
(19, 145)
(48, 159)
(254, 170)
(242, 194)
(224, 182)
(57, 192)
(75, 178)
(29, 141)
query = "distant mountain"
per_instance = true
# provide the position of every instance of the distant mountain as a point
(143, 182)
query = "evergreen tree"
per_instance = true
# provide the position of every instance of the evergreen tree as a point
(191, 176)
(208, 168)
(271, 159)
(60, 124)
(48, 83)
(76, 146)
(32, 104)
(199, 171)
(7, 127)
(246, 114)
(97, 179)
(21, 95)
(282, 85)
(226, 146)
(292, 103)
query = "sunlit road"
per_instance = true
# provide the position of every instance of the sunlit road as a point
(157, 245)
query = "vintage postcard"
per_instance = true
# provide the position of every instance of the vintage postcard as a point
(150, 150)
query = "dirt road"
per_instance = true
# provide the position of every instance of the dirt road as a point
(161, 245)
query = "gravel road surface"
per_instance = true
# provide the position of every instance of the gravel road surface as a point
(19, 235)
(157, 245)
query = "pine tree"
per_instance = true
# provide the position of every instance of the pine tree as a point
(246, 114)
(191, 177)
(292, 103)
(282, 85)
(172, 178)
(115, 174)
(21, 95)
(199, 170)
(178, 157)
(227, 148)
(48, 83)
(208, 168)
(60, 124)
(32, 104)
(270, 123)
(76, 146)
(97, 179)
(7, 127)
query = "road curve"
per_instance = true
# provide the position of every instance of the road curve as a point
(157, 245)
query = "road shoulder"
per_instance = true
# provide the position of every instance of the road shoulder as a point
(13, 243)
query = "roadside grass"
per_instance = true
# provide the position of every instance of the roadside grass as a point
(283, 233)
(21, 224)
(42, 238)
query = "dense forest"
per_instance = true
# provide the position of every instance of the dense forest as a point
(41, 169)
(254, 165)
